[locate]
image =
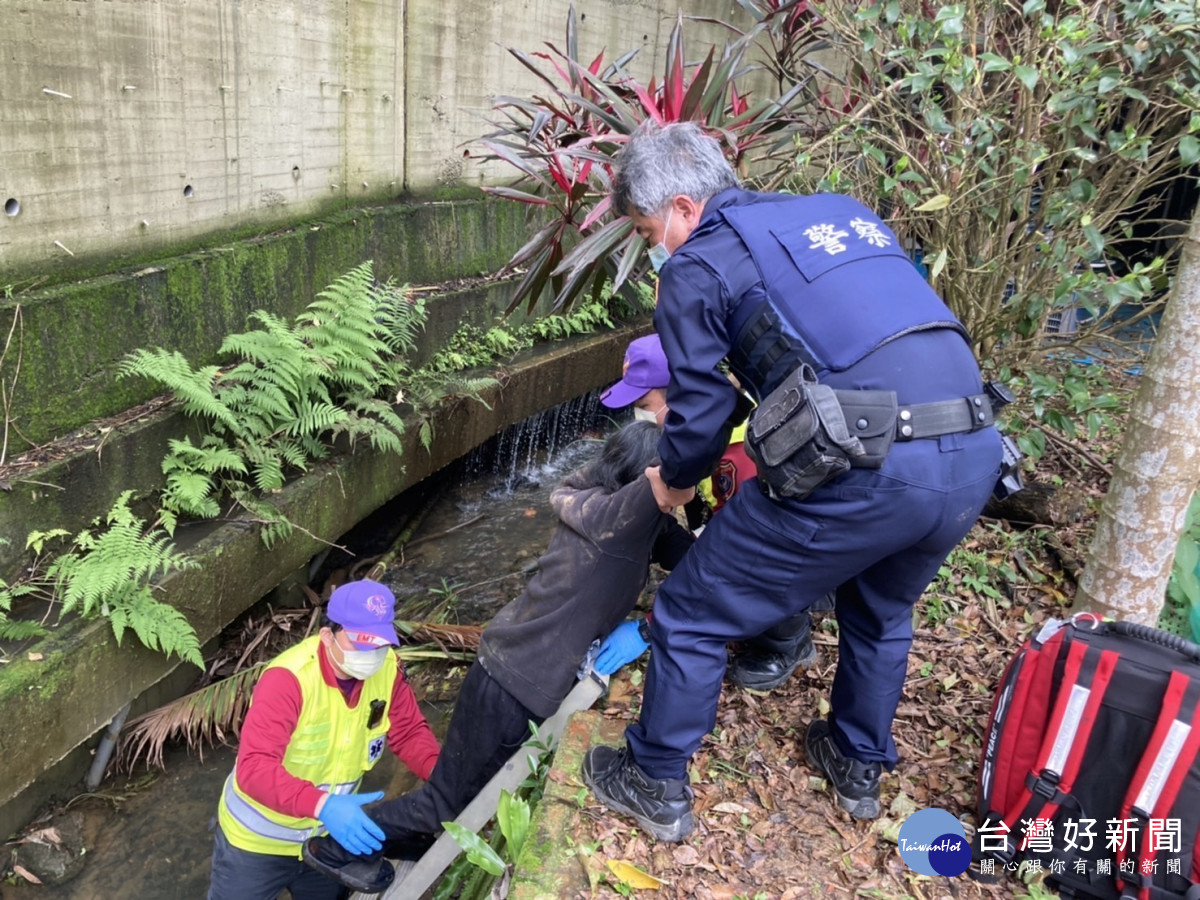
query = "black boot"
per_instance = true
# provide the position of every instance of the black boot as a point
(769, 660)
(368, 874)
(855, 783)
(663, 806)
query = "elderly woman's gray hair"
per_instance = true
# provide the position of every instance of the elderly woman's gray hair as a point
(661, 162)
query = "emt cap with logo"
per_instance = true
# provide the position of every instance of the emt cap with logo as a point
(645, 369)
(366, 610)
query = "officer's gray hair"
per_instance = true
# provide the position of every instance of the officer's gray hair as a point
(661, 162)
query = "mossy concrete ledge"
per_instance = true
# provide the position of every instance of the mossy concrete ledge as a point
(70, 338)
(82, 480)
(556, 860)
(80, 677)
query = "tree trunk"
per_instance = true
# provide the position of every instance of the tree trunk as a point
(1144, 512)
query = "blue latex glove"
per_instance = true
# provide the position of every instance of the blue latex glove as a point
(623, 646)
(348, 825)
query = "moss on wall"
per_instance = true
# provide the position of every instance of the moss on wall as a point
(73, 336)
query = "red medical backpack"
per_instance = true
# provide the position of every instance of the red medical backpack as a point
(1089, 767)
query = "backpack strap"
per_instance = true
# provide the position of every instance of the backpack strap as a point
(1168, 758)
(1048, 785)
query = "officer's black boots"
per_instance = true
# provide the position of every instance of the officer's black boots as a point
(367, 874)
(663, 806)
(766, 670)
(855, 783)
(768, 660)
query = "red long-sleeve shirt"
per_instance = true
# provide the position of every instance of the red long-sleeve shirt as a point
(272, 719)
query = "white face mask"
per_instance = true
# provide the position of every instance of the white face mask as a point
(362, 664)
(645, 415)
(659, 254)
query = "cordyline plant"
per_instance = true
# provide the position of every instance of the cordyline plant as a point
(1023, 148)
(563, 142)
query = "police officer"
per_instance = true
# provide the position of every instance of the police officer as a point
(769, 282)
(768, 660)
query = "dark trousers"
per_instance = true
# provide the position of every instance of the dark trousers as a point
(241, 875)
(880, 534)
(488, 726)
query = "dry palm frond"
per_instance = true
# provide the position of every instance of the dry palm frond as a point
(208, 716)
(447, 637)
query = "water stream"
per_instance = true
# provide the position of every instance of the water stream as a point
(485, 522)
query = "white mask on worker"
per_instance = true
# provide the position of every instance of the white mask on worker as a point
(362, 664)
(659, 254)
(646, 415)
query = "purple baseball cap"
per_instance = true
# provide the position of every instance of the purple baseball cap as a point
(366, 610)
(645, 369)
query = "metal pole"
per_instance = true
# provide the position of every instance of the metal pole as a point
(429, 868)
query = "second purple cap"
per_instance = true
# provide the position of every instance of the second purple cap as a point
(645, 368)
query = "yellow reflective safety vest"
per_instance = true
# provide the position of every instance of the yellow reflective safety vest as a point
(331, 747)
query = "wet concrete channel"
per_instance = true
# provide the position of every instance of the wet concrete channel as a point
(485, 520)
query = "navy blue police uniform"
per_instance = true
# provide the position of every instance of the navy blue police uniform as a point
(767, 281)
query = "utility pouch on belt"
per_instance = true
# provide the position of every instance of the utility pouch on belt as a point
(798, 436)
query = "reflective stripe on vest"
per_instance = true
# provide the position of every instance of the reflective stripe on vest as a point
(251, 819)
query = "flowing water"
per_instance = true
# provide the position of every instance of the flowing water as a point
(483, 523)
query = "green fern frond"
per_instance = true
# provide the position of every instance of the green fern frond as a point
(211, 457)
(191, 494)
(275, 532)
(276, 526)
(315, 417)
(192, 388)
(381, 437)
(385, 441)
(402, 318)
(37, 539)
(169, 520)
(293, 454)
(268, 473)
(9, 593)
(312, 446)
(275, 334)
(380, 410)
(11, 630)
(158, 626)
(104, 571)
(270, 401)
(356, 282)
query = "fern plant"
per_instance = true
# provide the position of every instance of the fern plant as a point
(108, 570)
(290, 390)
(471, 347)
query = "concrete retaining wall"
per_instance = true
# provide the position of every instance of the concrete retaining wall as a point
(69, 339)
(132, 128)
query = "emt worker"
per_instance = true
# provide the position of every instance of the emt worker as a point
(318, 719)
(781, 285)
(767, 661)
